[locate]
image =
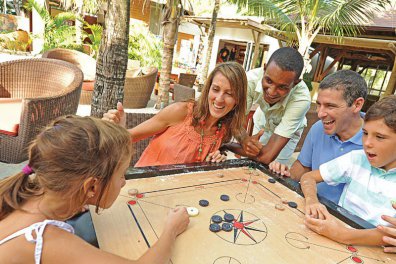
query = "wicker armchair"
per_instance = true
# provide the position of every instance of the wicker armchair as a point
(48, 89)
(134, 119)
(183, 93)
(86, 63)
(137, 90)
(187, 79)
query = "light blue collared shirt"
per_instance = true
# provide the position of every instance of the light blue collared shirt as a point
(320, 148)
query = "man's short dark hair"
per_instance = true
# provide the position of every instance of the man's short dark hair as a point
(353, 85)
(288, 59)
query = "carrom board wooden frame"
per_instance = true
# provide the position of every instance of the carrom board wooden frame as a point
(261, 233)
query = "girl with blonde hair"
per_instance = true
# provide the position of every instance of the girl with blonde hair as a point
(74, 162)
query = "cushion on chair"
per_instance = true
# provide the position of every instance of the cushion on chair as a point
(88, 85)
(133, 72)
(11, 109)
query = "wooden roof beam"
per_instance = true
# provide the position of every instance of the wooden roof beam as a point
(345, 41)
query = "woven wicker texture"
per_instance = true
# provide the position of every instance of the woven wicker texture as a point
(87, 92)
(86, 63)
(183, 93)
(83, 61)
(137, 90)
(187, 79)
(134, 119)
(49, 89)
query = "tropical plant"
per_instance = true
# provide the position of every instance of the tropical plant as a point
(80, 7)
(143, 45)
(86, 6)
(57, 32)
(13, 8)
(95, 37)
(306, 18)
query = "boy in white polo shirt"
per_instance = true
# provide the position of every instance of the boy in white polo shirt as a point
(370, 178)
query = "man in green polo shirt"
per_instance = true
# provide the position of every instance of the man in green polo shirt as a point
(283, 101)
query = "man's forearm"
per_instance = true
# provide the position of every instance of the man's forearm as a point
(297, 170)
(235, 148)
(308, 186)
(370, 237)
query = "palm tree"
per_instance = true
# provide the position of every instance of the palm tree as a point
(212, 31)
(170, 23)
(112, 59)
(306, 18)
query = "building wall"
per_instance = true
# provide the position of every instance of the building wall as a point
(140, 9)
(236, 34)
(180, 36)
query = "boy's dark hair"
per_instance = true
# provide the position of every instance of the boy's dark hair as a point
(353, 85)
(288, 59)
(384, 108)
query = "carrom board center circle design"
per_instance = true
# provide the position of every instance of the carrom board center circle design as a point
(226, 260)
(247, 228)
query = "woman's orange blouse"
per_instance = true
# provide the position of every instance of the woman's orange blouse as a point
(180, 144)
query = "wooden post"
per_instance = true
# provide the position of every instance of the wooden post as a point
(280, 43)
(337, 59)
(390, 89)
(321, 64)
(256, 48)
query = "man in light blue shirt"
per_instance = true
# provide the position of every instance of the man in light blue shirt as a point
(340, 99)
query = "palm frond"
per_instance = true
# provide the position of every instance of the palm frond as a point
(41, 10)
(61, 18)
(347, 16)
(276, 12)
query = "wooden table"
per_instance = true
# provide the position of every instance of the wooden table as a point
(261, 233)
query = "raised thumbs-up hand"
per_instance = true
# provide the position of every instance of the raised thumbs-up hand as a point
(116, 115)
(252, 145)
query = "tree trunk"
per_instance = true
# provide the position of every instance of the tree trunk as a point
(79, 24)
(170, 24)
(17, 8)
(112, 59)
(212, 31)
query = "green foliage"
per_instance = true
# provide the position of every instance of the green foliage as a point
(89, 6)
(57, 33)
(337, 17)
(308, 81)
(144, 46)
(10, 7)
(95, 37)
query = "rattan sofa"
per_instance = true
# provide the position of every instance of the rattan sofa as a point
(47, 89)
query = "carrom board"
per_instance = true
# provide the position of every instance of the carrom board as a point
(260, 232)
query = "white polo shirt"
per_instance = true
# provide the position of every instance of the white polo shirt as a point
(285, 118)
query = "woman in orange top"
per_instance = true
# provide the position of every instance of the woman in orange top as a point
(193, 131)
